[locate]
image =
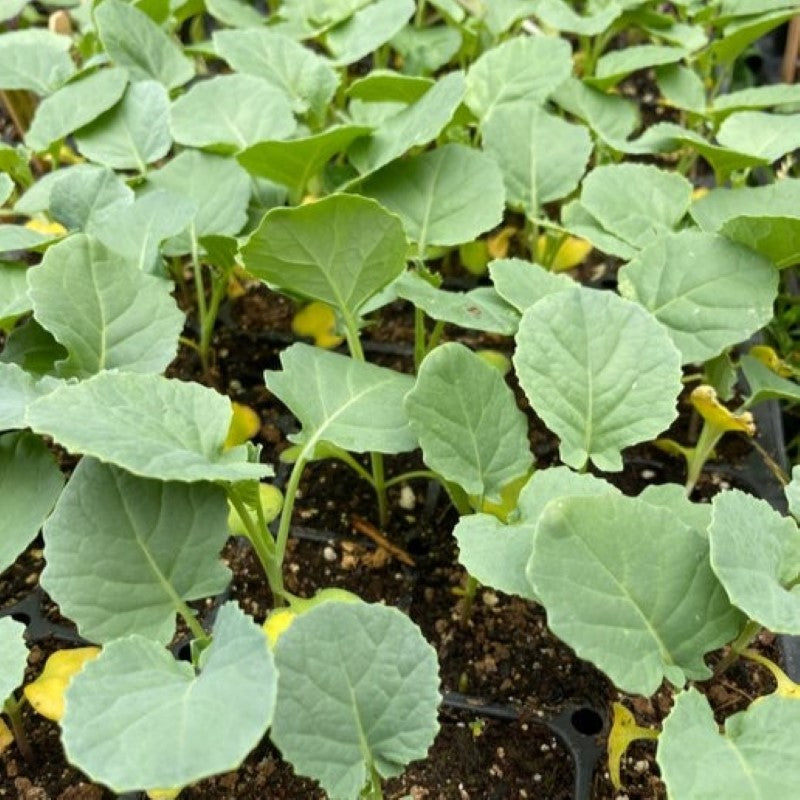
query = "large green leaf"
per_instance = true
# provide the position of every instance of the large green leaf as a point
(135, 698)
(160, 544)
(770, 96)
(636, 202)
(708, 292)
(340, 250)
(522, 283)
(523, 68)
(673, 496)
(81, 194)
(600, 371)
(357, 695)
(132, 40)
(616, 65)
(770, 136)
(779, 199)
(629, 587)
(415, 125)
(755, 553)
(231, 112)
(18, 390)
(34, 59)
(497, 554)
(469, 427)
(30, 482)
(13, 656)
(480, 309)
(217, 185)
(14, 298)
(75, 105)
(134, 133)
(294, 162)
(303, 75)
(146, 424)
(104, 309)
(756, 756)
(542, 157)
(775, 237)
(445, 196)
(368, 29)
(352, 404)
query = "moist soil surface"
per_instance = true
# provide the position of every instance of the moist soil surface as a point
(503, 653)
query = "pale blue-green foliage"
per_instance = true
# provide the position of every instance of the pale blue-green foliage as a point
(13, 656)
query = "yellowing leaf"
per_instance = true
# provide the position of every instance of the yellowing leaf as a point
(495, 359)
(6, 737)
(497, 243)
(475, 256)
(276, 623)
(45, 228)
(235, 288)
(317, 320)
(571, 252)
(700, 191)
(769, 358)
(624, 731)
(785, 687)
(245, 424)
(704, 399)
(271, 503)
(163, 794)
(671, 447)
(510, 495)
(46, 693)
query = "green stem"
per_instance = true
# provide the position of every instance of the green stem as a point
(207, 329)
(193, 624)
(738, 646)
(419, 17)
(470, 590)
(706, 442)
(373, 791)
(419, 337)
(285, 523)
(436, 335)
(200, 292)
(12, 709)
(345, 457)
(409, 476)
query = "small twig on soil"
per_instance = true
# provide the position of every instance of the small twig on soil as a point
(369, 530)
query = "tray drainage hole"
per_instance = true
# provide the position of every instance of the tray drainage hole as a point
(586, 721)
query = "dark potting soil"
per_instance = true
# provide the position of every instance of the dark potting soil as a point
(503, 653)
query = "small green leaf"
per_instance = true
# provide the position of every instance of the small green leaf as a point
(708, 292)
(386, 86)
(137, 699)
(236, 13)
(160, 544)
(425, 51)
(755, 97)
(351, 404)
(579, 222)
(595, 573)
(146, 424)
(307, 18)
(132, 40)
(682, 88)
(231, 112)
(616, 65)
(18, 390)
(341, 250)
(18, 237)
(542, 157)
(445, 196)
(30, 482)
(758, 575)
(14, 298)
(522, 283)
(756, 756)
(558, 15)
(13, 656)
(34, 59)
(134, 133)
(736, 36)
(598, 393)
(357, 694)
(75, 105)
(522, 69)
(368, 29)
(33, 348)
(775, 237)
(469, 427)
(769, 136)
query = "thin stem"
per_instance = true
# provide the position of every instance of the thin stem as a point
(373, 791)
(200, 291)
(193, 623)
(419, 337)
(419, 17)
(707, 441)
(345, 457)
(12, 709)
(261, 541)
(470, 590)
(379, 482)
(772, 465)
(285, 522)
(738, 646)
(410, 476)
(436, 335)
(207, 330)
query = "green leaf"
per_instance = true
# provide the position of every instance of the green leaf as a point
(673, 496)
(357, 693)
(579, 222)
(18, 390)
(522, 283)
(13, 656)
(10, 8)
(770, 136)
(682, 87)
(104, 309)
(707, 291)
(341, 250)
(469, 427)
(597, 393)
(415, 125)
(132, 40)
(351, 404)
(738, 35)
(497, 554)
(137, 699)
(231, 112)
(500, 15)
(758, 575)
(636, 202)
(480, 309)
(33, 348)
(368, 29)
(385, 86)
(792, 490)
(293, 163)
(425, 51)
(34, 59)
(6, 187)
(755, 97)
(18, 237)
(135, 230)
(303, 75)
(616, 65)
(558, 15)
(641, 608)
(30, 482)
(134, 133)
(151, 426)
(217, 185)
(160, 544)
(779, 199)
(754, 757)
(236, 13)
(523, 68)
(75, 105)
(765, 384)
(307, 18)
(776, 238)
(445, 196)
(14, 298)
(542, 157)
